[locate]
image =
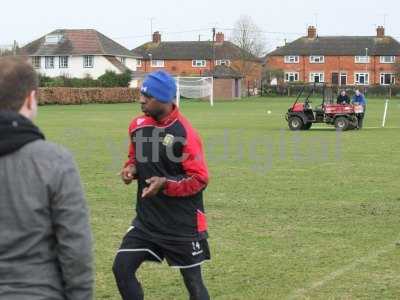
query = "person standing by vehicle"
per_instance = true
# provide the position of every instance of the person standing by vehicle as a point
(167, 159)
(359, 99)
(45, 237)
(343, 98)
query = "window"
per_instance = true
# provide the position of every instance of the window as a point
(317, 77)
(63, 62)
(362, 59)
(292, 59)
(123, 60)
(49, 62)
(198, 63)
(343, 78)
(317, 59)
(88, 61)
(223, 62)
(138, 62)
(361, 78)
(388, 59)
(52, 39)
(387, 78)
(36, 62)
(291, 76)
(157, 63)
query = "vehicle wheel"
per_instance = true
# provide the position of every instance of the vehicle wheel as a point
(295, 123)
(341, 123)
(306, 126)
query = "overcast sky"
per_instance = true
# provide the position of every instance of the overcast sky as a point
(129, 22)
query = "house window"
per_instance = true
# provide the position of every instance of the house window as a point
(157, 63)
(63, 62)
(388, 59)
(343, 78)
(36, 62)
(387, 78)
(49, 62)
(88, 61)
(123, 60)
(317, 59)
(198, 63)
(317, 77)
(361, 78)
(291, 76)
(292, 59)
(138, 62)
(223, 62)
(362, 59)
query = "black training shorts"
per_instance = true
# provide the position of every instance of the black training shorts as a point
(178, 254)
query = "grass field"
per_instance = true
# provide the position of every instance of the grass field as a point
(305, 215)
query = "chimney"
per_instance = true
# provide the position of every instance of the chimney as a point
(220, 38)
(156, 37)
(312, 32)
(380, 32)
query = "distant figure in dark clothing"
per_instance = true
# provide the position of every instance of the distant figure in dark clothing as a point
(343, 98)
(359, 99)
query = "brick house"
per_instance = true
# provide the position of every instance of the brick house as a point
(195, 58)
(78, 53)
(338, 60)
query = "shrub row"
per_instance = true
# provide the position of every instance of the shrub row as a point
(63, 95)
(108, 79)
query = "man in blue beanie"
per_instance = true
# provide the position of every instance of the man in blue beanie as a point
(166, 158)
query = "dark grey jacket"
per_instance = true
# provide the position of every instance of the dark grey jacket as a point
(45, 238)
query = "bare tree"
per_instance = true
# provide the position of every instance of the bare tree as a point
(252, 43)
(397, 71)
(9, 50)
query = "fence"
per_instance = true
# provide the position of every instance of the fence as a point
(318, 90)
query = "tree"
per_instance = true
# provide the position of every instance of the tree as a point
(252, 43)
(9, 50)
(397, 71)
(273, 74)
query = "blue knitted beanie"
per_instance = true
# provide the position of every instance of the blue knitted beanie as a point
(160, 85)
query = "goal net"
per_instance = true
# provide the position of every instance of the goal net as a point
(194, 88)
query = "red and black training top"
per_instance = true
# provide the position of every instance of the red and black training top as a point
(169, 148)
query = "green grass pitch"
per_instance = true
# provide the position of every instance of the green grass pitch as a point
(292, 215)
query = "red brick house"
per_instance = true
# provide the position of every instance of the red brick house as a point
(338, 60)
(188, 58)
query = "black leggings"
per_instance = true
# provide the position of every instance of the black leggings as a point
(127, 263)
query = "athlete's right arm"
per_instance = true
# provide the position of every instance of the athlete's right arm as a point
(128, 172)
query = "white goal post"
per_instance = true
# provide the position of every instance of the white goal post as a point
(385, 113)
(195, 88)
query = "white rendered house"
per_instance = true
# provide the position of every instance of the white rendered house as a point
(78, 53)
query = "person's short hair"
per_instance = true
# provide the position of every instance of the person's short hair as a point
(17, 80)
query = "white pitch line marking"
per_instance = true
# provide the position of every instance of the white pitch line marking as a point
(335, 274)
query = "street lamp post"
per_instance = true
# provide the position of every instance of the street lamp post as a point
(151, 61)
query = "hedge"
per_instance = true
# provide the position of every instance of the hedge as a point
(62, 95)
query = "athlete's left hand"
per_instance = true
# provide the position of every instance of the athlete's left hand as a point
(156, 184)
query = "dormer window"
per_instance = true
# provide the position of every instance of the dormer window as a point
(52, 39)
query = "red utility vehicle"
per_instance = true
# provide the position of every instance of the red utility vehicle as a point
(301, 115)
